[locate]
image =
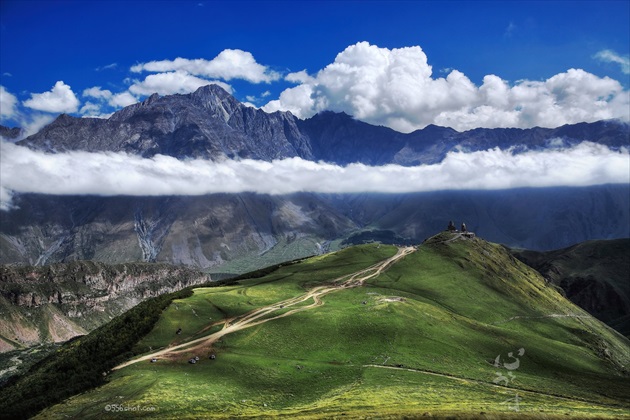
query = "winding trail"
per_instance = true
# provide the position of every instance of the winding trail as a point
(540, 317)
(494, 385)
(259, 316)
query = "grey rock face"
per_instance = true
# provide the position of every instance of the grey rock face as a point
(208, 123)
(59, 301)
(78, 282)
(206, 232)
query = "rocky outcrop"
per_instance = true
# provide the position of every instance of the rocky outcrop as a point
(82, 281)
(58, 301)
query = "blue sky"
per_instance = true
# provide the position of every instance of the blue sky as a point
(95, 44)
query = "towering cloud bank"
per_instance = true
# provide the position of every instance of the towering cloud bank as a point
(396, 88)
(74, 173)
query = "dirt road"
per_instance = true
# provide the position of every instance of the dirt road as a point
(259, 316)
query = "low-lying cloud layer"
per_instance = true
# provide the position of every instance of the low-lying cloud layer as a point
(23, 170)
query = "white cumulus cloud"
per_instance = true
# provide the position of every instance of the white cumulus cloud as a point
(228, 65)
(60, 98)
(172, 82)
(97, 93)
(8, 104)
(90, 109)
(30, 123)
(299, 77)
(122, 99)
(396, 88)
(118, 100)
(29, 171)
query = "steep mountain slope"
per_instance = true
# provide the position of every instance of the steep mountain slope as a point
(247, 230)
(457, 328)
(208, 123)
(594, 275)
(241, 232)
(58, 302)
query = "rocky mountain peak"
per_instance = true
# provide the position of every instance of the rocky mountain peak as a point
(65, 119)
(210, 123)
(151, 99)
(212, 91)
(438, 129)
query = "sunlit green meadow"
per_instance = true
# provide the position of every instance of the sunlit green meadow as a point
(421, 339)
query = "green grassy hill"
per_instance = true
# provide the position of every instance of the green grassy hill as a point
(593, 275)
(456, 328)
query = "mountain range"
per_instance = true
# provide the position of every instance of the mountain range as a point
(234, 233)
(210, 123)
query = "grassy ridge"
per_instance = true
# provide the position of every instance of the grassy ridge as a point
(420, 338)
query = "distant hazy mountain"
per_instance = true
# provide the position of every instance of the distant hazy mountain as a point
(240, 232)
